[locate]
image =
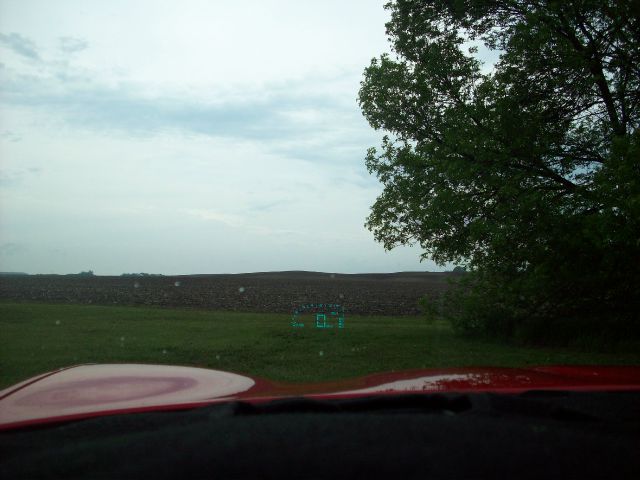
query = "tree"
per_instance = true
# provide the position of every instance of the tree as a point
(529, 175)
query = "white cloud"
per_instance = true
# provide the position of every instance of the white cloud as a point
(20, 45)
(72, 44)
(212, 215)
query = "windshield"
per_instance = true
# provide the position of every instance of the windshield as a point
(312, 191)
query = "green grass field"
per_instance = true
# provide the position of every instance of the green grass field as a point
(37, 338)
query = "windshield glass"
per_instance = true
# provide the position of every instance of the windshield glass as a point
(310, 191)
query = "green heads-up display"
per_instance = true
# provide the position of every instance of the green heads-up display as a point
(326, 315)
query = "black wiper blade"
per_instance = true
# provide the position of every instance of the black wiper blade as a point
(451, 404)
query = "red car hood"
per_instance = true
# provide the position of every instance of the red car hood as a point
(94, 390)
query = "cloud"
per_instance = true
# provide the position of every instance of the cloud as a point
(306, 125)
(72, 44)
(266, 206)
(10, 136)
(245, 224)
(303, 118)
(20, 45)
(11, 249)
(16, 177)
(209, 215)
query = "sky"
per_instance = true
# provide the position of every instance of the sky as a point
(188, 137)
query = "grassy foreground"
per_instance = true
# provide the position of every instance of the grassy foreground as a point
(37, 338)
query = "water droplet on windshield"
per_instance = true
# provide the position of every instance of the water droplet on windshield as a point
(217, 357)
(176, 284)
(241, 289)
(333, 275)
(136, 285)
(341, 295)
(122, 339)
(321, 353)
(57, 322)
(164, 352)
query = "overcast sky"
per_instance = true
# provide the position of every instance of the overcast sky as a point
(188, 136)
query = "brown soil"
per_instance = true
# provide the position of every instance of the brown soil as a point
(274, 292)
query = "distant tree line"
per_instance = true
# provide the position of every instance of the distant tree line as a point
(141, 274)
(88, 273)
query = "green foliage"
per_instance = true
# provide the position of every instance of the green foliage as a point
(529, 175)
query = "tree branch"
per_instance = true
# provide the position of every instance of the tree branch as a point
(596, 68)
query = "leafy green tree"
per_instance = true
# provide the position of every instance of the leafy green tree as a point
(527, 174)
